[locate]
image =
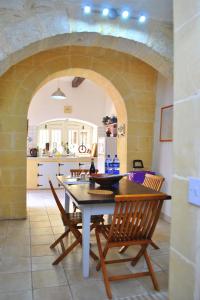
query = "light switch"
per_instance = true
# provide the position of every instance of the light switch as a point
(194, 191)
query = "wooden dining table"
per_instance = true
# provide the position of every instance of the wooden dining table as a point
(91, 204)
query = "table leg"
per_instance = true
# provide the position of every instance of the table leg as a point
(86, 242)
(67, 202)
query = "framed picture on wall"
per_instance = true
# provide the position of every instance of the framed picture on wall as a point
(166, 123)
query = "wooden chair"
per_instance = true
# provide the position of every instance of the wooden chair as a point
(153, 182)
(76, 173)
(73, 221)
(134, 221)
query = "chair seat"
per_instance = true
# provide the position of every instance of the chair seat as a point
(76, 218)
(118, 236)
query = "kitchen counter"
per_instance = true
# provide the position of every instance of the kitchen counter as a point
(60, 158)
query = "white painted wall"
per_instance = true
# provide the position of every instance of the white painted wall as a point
(89, 102)
(162, 154)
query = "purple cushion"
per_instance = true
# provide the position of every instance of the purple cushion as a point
(138, 176)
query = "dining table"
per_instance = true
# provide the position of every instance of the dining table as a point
(96, 204)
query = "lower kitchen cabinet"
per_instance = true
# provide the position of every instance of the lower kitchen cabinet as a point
(46, 171)
(40, 171)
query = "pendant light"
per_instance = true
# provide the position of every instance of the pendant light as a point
(58, 95)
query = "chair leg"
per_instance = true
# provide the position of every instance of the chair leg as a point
(154, 245)
(151, 271)
(105, 251)
(69, 249)
(103, 266)
(138, 256)
(59, 239)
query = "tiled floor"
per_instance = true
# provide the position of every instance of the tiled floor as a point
(26, 271)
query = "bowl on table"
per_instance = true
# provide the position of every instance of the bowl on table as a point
(106, 180)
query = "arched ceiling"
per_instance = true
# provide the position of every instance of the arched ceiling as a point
(30, 26)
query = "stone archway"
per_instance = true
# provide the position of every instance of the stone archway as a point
(114, 94)
(133, 79)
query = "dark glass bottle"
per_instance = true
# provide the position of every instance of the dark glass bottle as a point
(92, 167)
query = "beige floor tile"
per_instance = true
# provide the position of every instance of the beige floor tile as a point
(42, 239)
(162, 279)
(56, 223)
(41, 250)
(48, 278)
(18, 232)
(23, 295)
(127, 288)
(40, 224)
(16, 249)
(20, 224)
(41, 230)
(53, 293)
(10, 282)
(18, 239)
(88, 290)
(75, 275)
(162, 261)
(38, 218)
(15, 264)
(44, 263)
(53, 211)
(58, 229)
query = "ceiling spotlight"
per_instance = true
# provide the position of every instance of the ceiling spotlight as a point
(87, 9)
(125, 14)
(105, 12)
(142, 19)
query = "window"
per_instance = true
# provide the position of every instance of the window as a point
(56, 139)
(43, 138)
(73, 140)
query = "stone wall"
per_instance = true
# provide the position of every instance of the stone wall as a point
(134, 80)
(185, 233)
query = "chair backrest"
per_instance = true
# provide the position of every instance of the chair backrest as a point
(153, 182)
(59, 204)
(77, 172)
(135, 217)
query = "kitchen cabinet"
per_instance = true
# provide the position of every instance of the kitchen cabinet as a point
(31, 175)
(46, 171)
(40, 170)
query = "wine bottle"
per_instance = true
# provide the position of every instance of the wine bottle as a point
(92, 167)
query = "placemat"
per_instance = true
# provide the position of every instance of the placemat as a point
(100, 192)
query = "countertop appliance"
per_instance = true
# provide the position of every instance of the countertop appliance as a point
(34, 152)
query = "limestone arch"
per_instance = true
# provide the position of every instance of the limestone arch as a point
(133, 79)
(113, 93)
(158, 60)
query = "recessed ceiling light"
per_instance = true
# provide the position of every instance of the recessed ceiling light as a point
(142, 19)
(125, 14)
(87, 9)
(105, 12)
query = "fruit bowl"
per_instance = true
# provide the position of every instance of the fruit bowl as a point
(106, 180)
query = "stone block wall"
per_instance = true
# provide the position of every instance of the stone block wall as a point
(185, 233)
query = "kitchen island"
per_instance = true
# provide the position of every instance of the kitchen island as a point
(39, 169)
